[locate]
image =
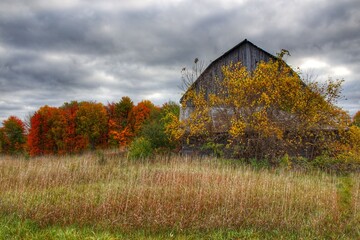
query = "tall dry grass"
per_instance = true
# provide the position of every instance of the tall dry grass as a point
(175, 194)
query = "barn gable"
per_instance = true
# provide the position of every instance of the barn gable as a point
(245, 52)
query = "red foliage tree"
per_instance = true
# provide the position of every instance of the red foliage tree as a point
(54, 131)
(41, 135)
(72, 140)
(139, 114)
(118, 113)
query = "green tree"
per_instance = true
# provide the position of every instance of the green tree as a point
(154, 128)
(12, 136)
(140, 148)
(122, 110)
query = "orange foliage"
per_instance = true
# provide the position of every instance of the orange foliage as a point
(39, 139)
(123, 137)
(73, 142)
(118, 113)
(53, 131)
(139, 114)
(75, 126)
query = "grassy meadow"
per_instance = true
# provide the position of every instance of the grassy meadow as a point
(106, 196)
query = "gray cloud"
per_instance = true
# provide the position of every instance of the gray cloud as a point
(57, 51)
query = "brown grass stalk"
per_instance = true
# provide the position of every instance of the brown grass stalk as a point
(177, 194)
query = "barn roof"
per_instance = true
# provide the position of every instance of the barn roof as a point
(236, 47)
(213, 63)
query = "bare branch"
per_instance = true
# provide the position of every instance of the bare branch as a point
(189, 76)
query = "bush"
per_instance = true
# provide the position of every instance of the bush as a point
(155, 133)
(216, 149)
(285, 162)
(342, 163)
(354, 137)
(140, 148)
(154, 128)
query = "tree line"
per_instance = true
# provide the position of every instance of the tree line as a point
(78, 126)
(269, 113)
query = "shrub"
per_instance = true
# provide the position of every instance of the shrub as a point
(154, 132)
(342, 163)
(259, 163)
(154, 128)
(354, 137)
(140, 148)
(216, 149)
(285, 162)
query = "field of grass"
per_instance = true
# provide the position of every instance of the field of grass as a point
(105, 196)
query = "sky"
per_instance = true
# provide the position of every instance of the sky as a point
(53, 52)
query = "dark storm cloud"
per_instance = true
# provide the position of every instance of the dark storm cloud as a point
(58, 31)
(32, 70)
(57, 51)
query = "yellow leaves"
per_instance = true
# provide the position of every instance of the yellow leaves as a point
(214, 100)
(237, 128)
(268, 102)
(354, 137)
(261, 123)
(174, 127)
(199, 121)
(356, 119)
(265, 98)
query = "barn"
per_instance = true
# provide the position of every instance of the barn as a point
(216, 130)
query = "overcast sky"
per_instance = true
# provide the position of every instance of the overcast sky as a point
(53, 52)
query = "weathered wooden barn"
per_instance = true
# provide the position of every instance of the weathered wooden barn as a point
(245, 52)
(249, 55)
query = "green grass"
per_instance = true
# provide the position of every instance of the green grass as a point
(78, 197)
(14, 228)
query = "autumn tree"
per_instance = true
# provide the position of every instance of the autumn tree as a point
(354, 135)
(139, 114)
(122, 110)
(57, 124)
(91, 122)
(12, 136)
(356, 119)
(266, 113)
(119, 130)
(41, 138)
(153, 135)
(73, 141)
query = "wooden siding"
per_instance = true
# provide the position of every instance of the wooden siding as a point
(245, 52)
